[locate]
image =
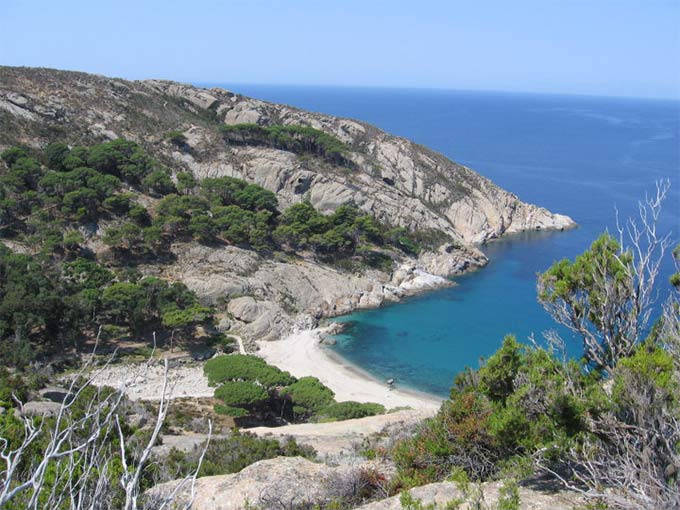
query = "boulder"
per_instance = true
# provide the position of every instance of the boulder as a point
(271, 322)
(283, 482)
(223, 325)
(36, 408)
(244, 309)
(443, 493)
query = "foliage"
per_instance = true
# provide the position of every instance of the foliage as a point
(244, 367)
(296, 139)
(608, 424)
(176, 137)
(308, 396)
(596, 296)
(186, 182)
(350, 410)
(228, 455)
(521, 400)
(346, 232)
(86, 455)
(158, 182)
(241, 394)
(44, 306)
(12, 388)
(31, 308)
(240, 377)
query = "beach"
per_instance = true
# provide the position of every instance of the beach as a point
(299, 353)
(302, 354)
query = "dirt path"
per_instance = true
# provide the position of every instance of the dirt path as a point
(341, 437)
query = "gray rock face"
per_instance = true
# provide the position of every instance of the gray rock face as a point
(36, 408)
(442, 493)
(244, 309)
(286, 482)
(267, 299)
(393, 179)
(282, 482)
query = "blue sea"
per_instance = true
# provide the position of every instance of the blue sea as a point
(582, 156)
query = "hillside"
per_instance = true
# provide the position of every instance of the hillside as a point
(392, 178)
(300, 156)
(147, 220)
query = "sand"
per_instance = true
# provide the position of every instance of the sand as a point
(302, 354)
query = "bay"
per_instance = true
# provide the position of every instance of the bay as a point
(583, 156)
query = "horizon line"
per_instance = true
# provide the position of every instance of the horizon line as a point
(214, 83)
(217, 84)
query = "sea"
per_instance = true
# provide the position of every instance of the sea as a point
(592, 158)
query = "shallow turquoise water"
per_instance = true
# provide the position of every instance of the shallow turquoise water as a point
(580, 156)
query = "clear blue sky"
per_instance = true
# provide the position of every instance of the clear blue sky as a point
(604, 47)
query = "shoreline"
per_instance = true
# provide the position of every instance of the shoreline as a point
(302, 354)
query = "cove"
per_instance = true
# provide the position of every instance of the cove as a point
(582, 156)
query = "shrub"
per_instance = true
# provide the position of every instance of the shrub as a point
(230, 455)
(244, 367)
(296, 139)
(240, 395)
(308, 396)
(349, 410)
(11, 155)
(176, 137)
(186, 182)
(159, 182)
(497, 375)
(459, 436)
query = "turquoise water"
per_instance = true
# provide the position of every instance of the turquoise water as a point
(581, 156)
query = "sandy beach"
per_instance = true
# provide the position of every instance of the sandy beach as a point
(302, 354)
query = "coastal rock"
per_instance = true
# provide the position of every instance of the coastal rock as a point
(271, 323)
(294, 482)
(281, 296)
(450, 260)
(393, 179)
(223, 325)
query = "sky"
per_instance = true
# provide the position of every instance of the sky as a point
(598, 47)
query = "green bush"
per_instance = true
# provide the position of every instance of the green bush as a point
(176, 137)
(244, 367)
(230, 455)
(158, 182)
(12, 387)
(240, 395)
(459, 435)
(350, 410)
(297, 139)
(497, 375)
(308, 396)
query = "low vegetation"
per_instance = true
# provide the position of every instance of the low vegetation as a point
(250, 388)
(56, 201)
(297, 139)
(605, 425)
(224, 456)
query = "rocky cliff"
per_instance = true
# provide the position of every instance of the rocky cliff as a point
(393, 179)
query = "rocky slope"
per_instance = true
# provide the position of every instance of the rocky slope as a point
(294, 482)
(397, 181)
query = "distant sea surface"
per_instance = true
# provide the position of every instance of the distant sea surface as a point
(580, 156)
